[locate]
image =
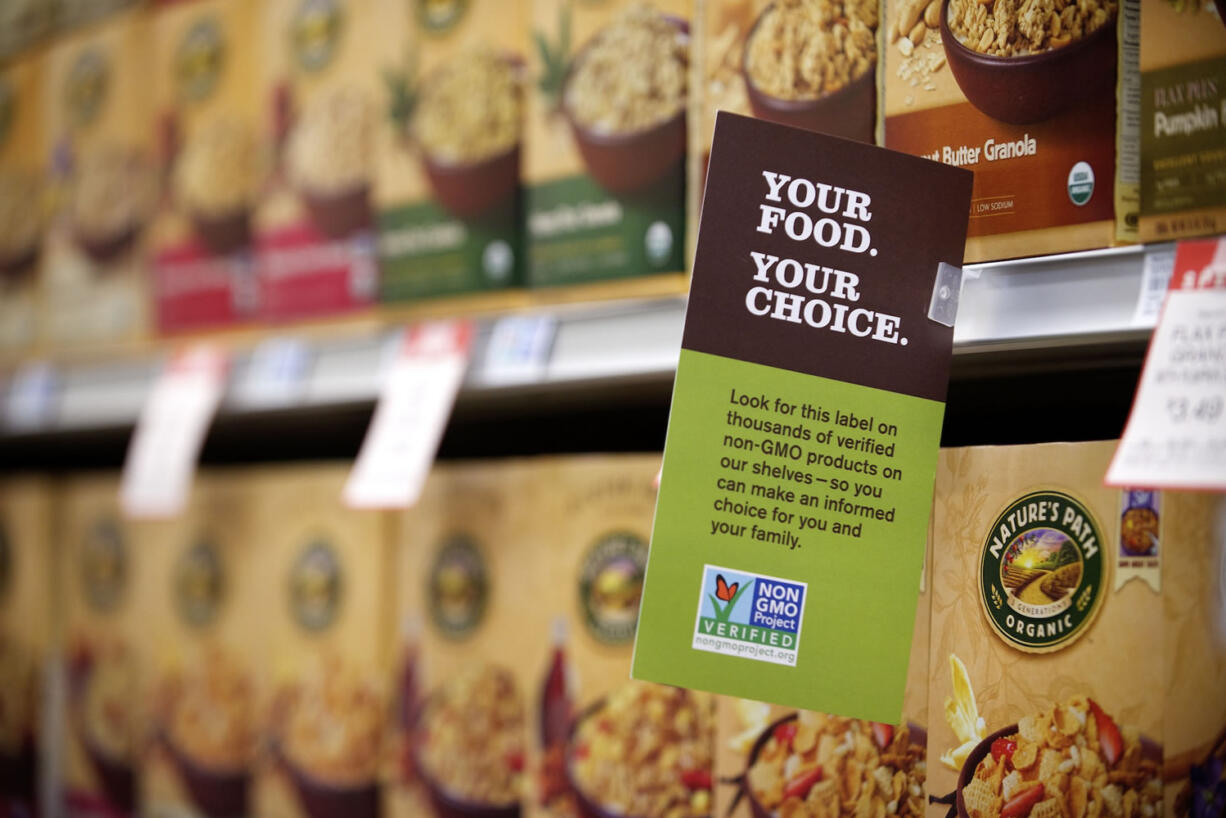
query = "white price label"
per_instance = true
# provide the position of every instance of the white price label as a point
(414, 405)
(1176, 434)
(162, 456)
(519, 348)
(31, 397)
(277, 374)
(1155, 280)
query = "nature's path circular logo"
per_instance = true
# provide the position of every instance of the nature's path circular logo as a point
(610, 586)
(315, 585)
(439, 15)
(1041, 572)
(458, 587)
(86, 87)
(199, 584)
(104, 566)
(315, 32)
(199, 59)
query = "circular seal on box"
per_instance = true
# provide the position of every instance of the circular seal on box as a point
(8, 109)
(86, 86)
(610, 586)
(6, 563)
(315, 32)
(315, 586)
(1080, 183)
(198, 60)
(199, 584)
(458, 587)
(439, 15)
(1042, 573)
(104, 566)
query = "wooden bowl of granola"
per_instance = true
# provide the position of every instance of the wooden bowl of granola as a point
(1032, 87)
(848, 111)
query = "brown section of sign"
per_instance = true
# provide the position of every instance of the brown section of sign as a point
(1023, 192)
(918, 220)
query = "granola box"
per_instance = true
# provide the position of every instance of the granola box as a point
(605, 165)
(207, 126)
(449, 145)
(319, 93)
(783, 762)
(1023, 94)
(22, 214)
(1183, 119)
(323, 609)
(103, 722)
(26, 634)
(606, 745)
(466, 588)
(99, 143)
(199, 582)
(1047, 672)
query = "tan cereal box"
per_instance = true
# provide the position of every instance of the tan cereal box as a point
(200, 584)
(319, 92)
(22, 213)
(449, 145)
(104, 720)
(208, 122)
(96, 129)
(323, 608)
(27, 631)
(606, 139)
(1023, 95)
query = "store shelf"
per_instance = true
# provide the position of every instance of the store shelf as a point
(1041, 313)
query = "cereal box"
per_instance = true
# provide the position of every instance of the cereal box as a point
(466, 584)
(1183, 119)
(779, 761)
(320, 91)
(322, 606)
(104, 720)
(207, 127)
(449, 145)
(606, 139)
(26, 633)
(22, 215)
(1023, 95)
(97, 133)
(1047, 678)
(200, 581)
(606, 745)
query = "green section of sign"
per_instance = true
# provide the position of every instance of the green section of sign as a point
(580, 232)
(749, 483)
(425, 252)
(1183, 137)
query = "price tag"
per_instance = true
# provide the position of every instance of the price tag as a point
(161, 460)
(277, 374)
(31, 397)
(519, 348)
(1176, 434)
(414, 405)
(1155, 280)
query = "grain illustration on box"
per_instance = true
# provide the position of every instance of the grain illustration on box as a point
(1047, 679)
(104, 721)
(22, 202)
(323, 606)
(99, 144)
(606, 745)
(319, 96)
(1023, 94)
(208, 123)
(200, 582)
(450, 142)
(606, 139)
(27, 630)
(775, 762)
(465, 598)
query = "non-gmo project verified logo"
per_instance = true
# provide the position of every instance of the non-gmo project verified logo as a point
(750, 615)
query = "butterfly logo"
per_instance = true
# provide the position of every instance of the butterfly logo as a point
(727, 594)
(723, 590)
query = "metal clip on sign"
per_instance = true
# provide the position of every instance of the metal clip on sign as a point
(946, 290)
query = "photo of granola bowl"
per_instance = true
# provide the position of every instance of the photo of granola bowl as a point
(215, 180)
(624, 97)
(1025, 74)
(21, 225)
(18, 717)
(329, 159)
(1073, 760)
(644, 751)
(812, 764)
(468, 747)
(100, 687)
(814, 68)
(111, 197)
(467, 123)
(217, 792)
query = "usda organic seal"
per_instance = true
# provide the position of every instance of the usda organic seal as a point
(1042, 572)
